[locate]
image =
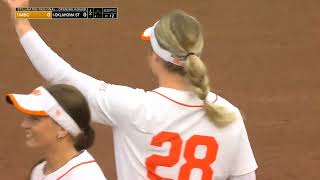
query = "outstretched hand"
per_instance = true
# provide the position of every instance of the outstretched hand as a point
(13, 4)
(22, 25)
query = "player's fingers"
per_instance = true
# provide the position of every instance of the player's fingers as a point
(16, 3)
(9, 2)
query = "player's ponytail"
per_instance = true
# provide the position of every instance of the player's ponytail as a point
(85, 139)
(74, 103)
(181, 34)
(196, 72)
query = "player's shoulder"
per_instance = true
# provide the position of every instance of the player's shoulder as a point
(86, 167)
(221, 101)
(86, 172)
(120, 90)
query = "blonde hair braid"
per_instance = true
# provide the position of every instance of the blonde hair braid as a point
(181, 34)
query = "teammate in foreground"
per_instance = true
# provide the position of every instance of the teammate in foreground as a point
(58, 123)
(180, 130)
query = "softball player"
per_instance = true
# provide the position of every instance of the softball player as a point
(180, 130)
(58, 123)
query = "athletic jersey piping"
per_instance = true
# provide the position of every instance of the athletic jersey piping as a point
(75, 166)
(183, 104)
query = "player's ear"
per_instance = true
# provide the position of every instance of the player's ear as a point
(62, 133)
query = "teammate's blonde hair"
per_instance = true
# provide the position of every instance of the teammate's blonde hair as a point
(181, 34)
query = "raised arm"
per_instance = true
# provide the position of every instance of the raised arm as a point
(52, 67)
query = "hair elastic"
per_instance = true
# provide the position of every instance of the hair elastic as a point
(189, 54)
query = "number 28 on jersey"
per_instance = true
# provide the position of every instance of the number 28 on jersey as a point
(191, 162)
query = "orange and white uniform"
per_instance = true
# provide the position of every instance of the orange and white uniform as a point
(41, 103)
(159, 134)
(81, 167)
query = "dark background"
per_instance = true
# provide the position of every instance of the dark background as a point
(262, 55)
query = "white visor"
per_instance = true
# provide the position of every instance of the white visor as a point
(149, 34)
(41, 103)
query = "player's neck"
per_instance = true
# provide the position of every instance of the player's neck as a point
(59, 155)
(174, 81)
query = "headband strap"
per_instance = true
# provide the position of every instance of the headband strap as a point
(149, 34)
(41, 103)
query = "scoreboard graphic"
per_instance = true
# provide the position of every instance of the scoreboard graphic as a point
(67, 13)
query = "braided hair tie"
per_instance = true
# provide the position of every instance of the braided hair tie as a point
(189, 54)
